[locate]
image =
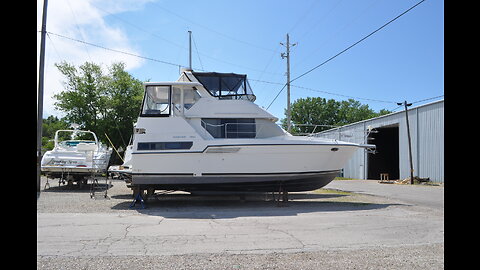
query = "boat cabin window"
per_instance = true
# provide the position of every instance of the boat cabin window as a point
(226, 85)
(230, 127)
(164, 145)
(157, 100)
(190, 96)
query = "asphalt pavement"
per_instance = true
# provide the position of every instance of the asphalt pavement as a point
(419, 195)
(374, 226)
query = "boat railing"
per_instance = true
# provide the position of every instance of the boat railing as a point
(254, 130)
(347, 134)
(314, 129)
(340, 133)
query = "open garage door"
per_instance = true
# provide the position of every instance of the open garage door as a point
(386, 158)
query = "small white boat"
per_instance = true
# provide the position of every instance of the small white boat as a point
(205, 133)
(77, 158)
(123, 171)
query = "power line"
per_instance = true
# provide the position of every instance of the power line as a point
(212, 30)
(114, 50)
(261, 81)
(320, 91)
(418, 101)
(341, 95)
(78, 28)
(183, 47)
(152, 59)
(362, 39)
(140, 28)
(268, 64)
(334, 34)
(304, 15)
(196, 49)
(346, 49)
(276, 96)
(319, 19)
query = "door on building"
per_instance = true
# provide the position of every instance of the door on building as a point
(386, 157)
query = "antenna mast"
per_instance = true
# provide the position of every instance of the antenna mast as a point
(190, 49)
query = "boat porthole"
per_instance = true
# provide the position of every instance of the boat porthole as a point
(335, 149)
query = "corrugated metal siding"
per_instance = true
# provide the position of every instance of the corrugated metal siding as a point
(431, 142)
(427, 136)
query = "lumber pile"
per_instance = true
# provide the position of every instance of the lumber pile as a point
(406, 181)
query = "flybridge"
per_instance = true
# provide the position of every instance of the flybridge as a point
(226, 85)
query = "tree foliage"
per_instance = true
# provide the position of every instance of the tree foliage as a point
(99, 101)
(49, 127)
(320, 111)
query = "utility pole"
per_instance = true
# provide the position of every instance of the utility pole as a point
(409, 139)
(287, 55)
(41, 69)
(190, 49)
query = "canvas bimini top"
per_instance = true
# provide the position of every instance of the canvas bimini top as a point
(226, 85)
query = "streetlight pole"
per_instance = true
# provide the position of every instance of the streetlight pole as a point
(409, 139)
(41, 69)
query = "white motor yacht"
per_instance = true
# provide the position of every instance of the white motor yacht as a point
(77, 154)
(205, 133)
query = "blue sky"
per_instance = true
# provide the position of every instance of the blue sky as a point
(403, 61)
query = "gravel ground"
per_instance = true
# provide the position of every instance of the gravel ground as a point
(74, 199)
(412, 257)
(63, 199)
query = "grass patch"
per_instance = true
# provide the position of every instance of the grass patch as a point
(331, 191)
(343, 197)
(344, 178)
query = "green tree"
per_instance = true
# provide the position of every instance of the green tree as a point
(312, 111)
(125, 97)
(99, 101)
(84, 100)
(49, 127)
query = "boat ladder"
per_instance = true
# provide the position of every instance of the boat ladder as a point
(98, 173)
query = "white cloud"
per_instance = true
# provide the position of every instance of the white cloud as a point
(82, 20)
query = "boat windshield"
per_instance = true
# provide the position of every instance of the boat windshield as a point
(74, 143)
(71, 138)
(226, 85)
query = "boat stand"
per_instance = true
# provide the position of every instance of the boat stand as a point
(138, 197)
(61, 180)
(282, 195)
(47, 184)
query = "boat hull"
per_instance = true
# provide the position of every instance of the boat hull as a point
(56, 163)
(237, 182)
(255, 168)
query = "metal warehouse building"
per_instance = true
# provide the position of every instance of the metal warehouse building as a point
(389, 134)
